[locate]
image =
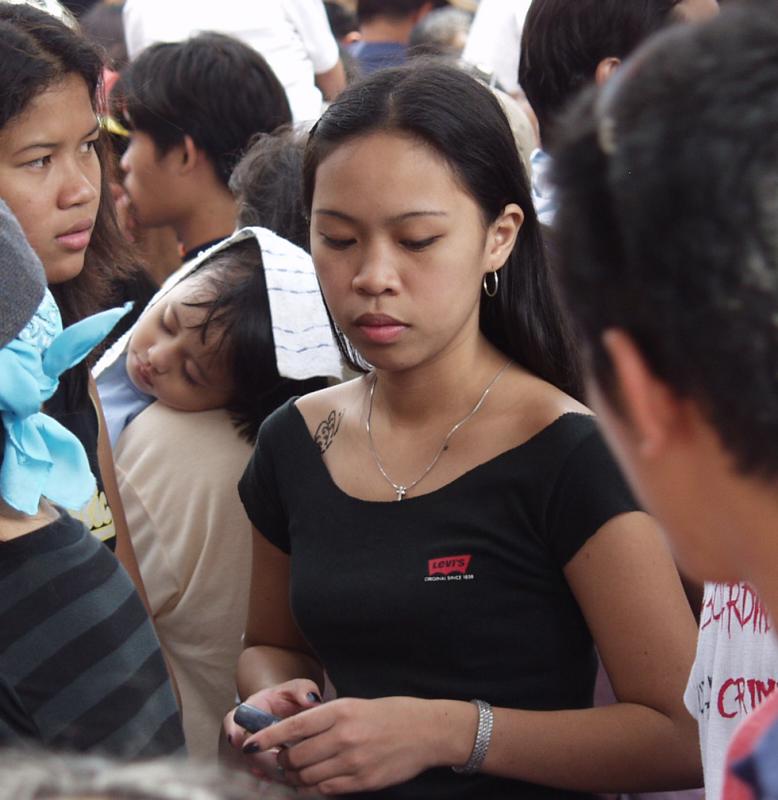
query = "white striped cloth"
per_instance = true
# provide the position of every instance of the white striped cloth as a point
(304, 344)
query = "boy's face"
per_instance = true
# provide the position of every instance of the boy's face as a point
(149, 180)
(166, 355)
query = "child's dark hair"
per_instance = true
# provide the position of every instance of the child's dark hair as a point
(36, 52)
(563, 42)
(240, 312)
(463, 122)
(212, 87)
(267, 184)
(668, 222)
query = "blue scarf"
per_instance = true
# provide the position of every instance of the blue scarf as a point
(41, 457)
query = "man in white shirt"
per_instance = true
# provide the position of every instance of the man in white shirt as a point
(293, 35)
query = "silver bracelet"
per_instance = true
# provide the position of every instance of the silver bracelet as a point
(483, 736)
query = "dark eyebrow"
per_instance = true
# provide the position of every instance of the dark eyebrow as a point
(53, 145)
(398, 218)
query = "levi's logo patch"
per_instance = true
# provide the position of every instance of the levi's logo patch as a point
(449, 568)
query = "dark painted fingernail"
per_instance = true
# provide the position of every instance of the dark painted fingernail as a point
(253, 747)
(313, 697)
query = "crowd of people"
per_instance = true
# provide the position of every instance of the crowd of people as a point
(403, 369)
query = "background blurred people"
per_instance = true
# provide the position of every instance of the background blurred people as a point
(565, 46)
(385, 29)
(442, 32)
(494, 41)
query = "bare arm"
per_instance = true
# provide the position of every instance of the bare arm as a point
(275, 649)
(124, 550)
(629, 591)
(332, 82)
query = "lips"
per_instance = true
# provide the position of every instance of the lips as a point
(141, 374)
(380, 328)
(77, 236)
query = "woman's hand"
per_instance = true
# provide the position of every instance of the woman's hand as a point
(284, 700)
(351, 745)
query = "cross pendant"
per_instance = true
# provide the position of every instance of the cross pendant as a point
(401, 492)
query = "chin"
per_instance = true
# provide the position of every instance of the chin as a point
(61, 270)
(701, 565)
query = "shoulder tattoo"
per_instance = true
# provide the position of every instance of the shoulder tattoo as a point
(326, 430)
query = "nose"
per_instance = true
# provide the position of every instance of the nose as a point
(159, 357)
(79, 186)
(376, 273)
(125, 160)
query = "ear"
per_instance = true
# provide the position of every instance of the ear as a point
(501, 236)
(651, 408)
(190, 155)
(605, 70)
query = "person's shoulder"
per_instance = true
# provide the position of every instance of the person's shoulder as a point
(538, 406)
(160, 434)
(316, 406)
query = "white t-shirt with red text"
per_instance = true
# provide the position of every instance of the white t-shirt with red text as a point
(735, 669)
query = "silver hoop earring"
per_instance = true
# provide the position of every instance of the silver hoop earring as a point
(493, 291)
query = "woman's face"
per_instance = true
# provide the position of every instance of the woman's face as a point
(401, 249)
(50, 175)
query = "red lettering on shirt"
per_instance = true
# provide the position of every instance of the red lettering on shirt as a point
(740, 696)
(735, 606)
(447, 565)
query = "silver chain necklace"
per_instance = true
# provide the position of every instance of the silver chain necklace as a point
(400, 489)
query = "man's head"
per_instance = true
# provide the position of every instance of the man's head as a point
(394, 10)
(567, 45)
(667, 180)
(190, 102)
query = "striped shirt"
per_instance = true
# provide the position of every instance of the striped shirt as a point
(80, 664)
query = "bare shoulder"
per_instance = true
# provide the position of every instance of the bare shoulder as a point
(535, 404)
(329, 410)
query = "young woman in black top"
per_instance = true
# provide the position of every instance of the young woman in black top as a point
(449, 527)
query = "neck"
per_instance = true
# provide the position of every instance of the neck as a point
(14, 524)
(753, 510)
(212, 216)
(442, 389)
(387, 30)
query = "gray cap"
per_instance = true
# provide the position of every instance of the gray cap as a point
(22, 279)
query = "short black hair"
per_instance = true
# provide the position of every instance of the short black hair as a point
(211, 87)
(563, 42)
(667, 181)
(393, 9)
(239, 311)
(268, 185)
(342, 20)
